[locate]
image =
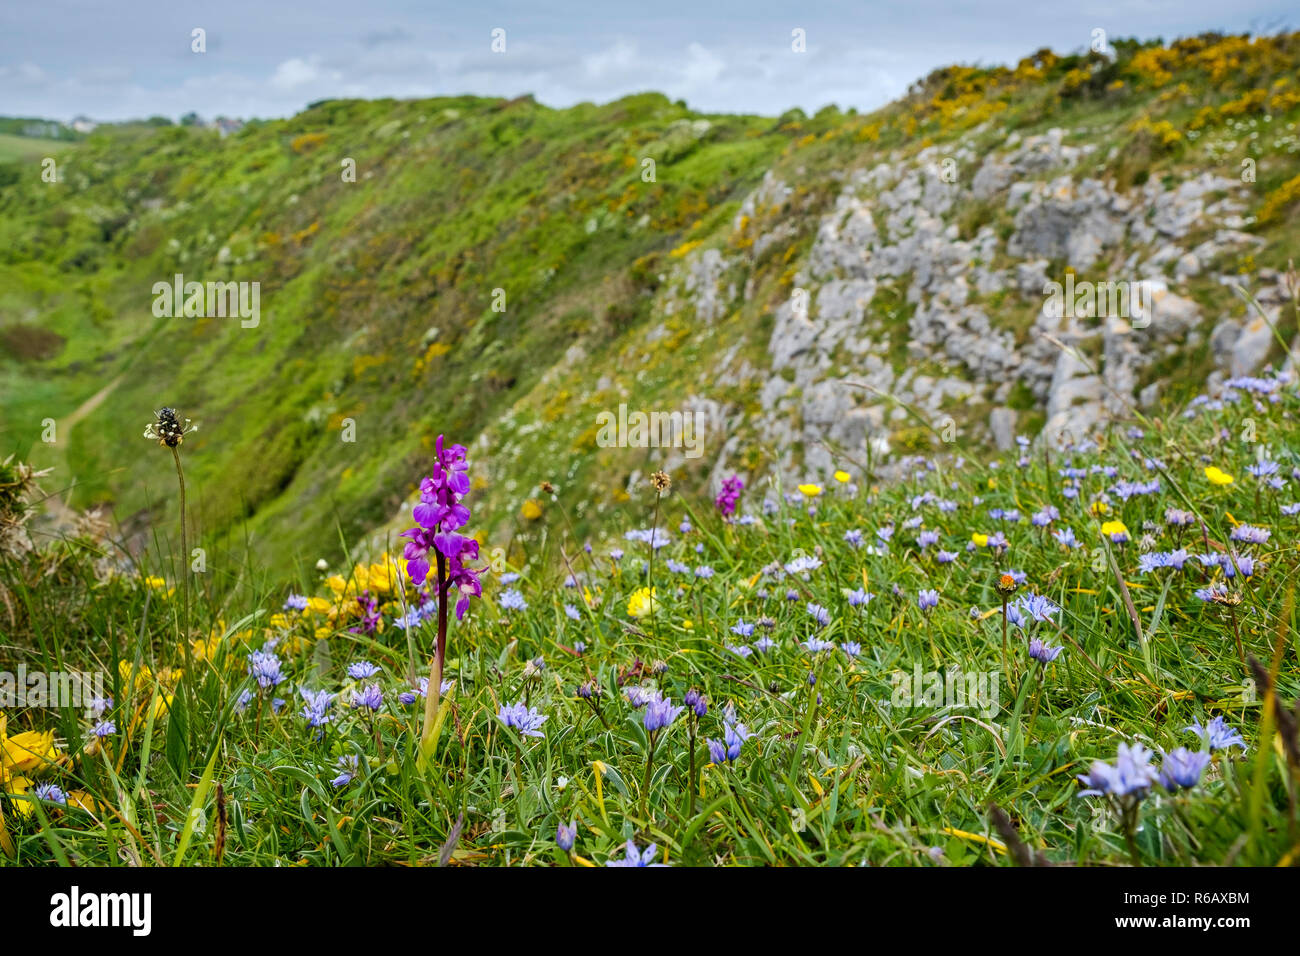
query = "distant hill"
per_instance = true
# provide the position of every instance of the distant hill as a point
(38, 128)
(789, 279)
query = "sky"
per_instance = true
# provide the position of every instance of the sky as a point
(121, 59)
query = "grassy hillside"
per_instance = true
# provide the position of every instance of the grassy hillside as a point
(377, 295)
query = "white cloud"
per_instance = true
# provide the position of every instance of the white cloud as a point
(295, 73)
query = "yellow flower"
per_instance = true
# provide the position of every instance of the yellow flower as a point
(158, 584)
(842, 477)
(981, 540)
(24, 752)
(204, 650)
(1218, 477)
(378, 578)
(1099, 508)
(531, 510)
(642, 602)
(135, 679)
(811, 491)
(1113, 529)
(19, 786)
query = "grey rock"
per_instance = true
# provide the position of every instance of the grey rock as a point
(1002, 423)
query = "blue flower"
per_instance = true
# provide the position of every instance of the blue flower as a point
(265, 668)
(696, 702)
(734, 736)
(1130, 775)
(565, 834)
(512, 600)
(369, 697)
(1182, 768)
(1250, 534)
(317, 703)
(1217, 735)
(349, 764)
(860, 597)
(639, 696)
(361, 670)
(1041, 652)
(634, 857)
(51, 793)
(927, 599)
(523, 718)
(1037, 606)
(659, 714)
(1066, 537)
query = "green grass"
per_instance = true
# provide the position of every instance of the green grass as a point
(837, 773)
(25, 149)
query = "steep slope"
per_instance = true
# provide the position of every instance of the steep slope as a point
(825, 292)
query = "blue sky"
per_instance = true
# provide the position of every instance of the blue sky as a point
(129, 58)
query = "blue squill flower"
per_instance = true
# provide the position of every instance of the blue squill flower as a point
(369, 697)
(1039, 651)
(523, 718)
(565, 834)
(1182, 768)
(1131, 775)
(1217, 735)
(360, 670)
(659, 714)
(634, 857)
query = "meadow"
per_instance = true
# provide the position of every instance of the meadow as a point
(771, 677)
(418, 589)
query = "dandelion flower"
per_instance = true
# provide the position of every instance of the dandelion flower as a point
(1217, 476)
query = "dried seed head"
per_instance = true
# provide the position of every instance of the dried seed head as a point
(1227, 598)
(661, 481)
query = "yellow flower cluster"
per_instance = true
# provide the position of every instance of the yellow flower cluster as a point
(23, 756)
